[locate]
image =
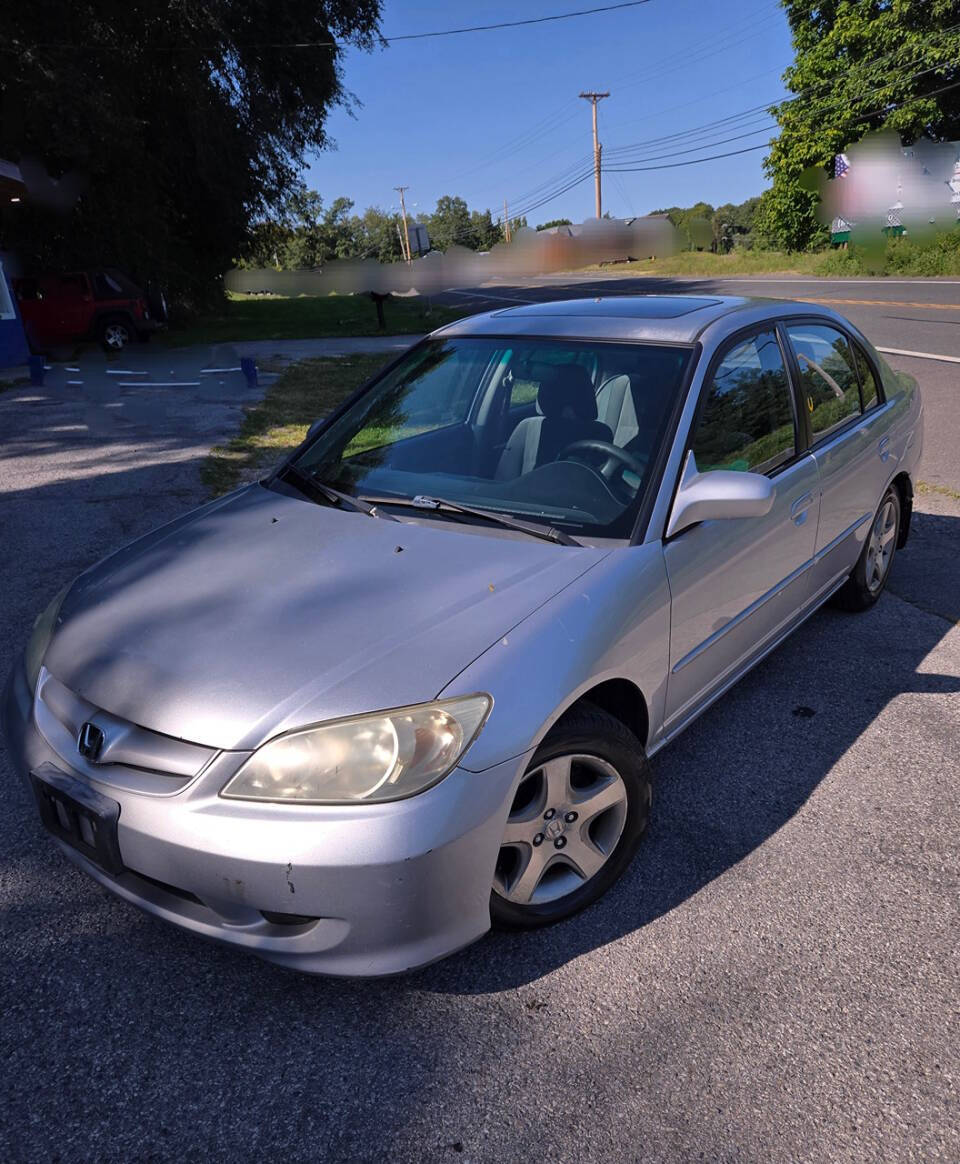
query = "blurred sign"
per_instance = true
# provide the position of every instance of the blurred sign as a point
(530, 253)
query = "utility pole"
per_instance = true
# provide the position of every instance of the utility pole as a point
(403, 211)
(506, 223)
(593, 98)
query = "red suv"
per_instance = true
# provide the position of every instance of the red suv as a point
(102, 304)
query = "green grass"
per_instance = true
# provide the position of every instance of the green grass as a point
(703, 263)
(924, 487)
(931, 256)
(275, 426)
(269, 317)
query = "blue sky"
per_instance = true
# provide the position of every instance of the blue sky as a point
(494, 115)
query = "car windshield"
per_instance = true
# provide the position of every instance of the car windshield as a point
(562, 432)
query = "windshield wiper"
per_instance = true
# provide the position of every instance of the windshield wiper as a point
(313, 488)
(442, 505)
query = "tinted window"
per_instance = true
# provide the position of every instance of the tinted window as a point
(747, 421)
(868, 385)
(106, 287)
(828, 379)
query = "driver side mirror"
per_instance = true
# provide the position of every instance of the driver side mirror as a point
(315, 428)
(718, 493)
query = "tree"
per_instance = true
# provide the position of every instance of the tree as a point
(450, 224)
(732, 225)
(377, 236)
(188, 122)
(859, 67)
(555, 222)
(485, 232)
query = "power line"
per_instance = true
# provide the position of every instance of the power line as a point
(763, 109)
(517, 23)
(306, 44)
(763, 145)
(701, 50)
(550, 197)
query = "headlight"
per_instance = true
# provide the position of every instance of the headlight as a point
(40, 638)
(386, 756)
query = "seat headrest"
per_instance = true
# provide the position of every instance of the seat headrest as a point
(567, 391)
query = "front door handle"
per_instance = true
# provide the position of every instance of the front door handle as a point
(883, 448)
(798, 511)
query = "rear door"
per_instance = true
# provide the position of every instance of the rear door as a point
(849, 431)
(736, 583)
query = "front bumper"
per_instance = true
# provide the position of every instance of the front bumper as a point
(350, 890)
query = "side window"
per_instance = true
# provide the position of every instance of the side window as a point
(747, 421)
(868, 385)
(828, 379)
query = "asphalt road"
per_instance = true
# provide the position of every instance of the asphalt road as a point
(775, 978)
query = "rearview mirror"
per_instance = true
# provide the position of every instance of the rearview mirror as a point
(718, 493)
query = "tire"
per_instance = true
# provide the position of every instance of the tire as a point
(868, 578)
(551, 866)
(116, 333)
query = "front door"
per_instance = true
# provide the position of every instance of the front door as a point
(736, 583)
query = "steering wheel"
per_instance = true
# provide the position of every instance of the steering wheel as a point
(615, 459)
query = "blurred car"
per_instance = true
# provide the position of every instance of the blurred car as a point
(103, 305)
(408, 684)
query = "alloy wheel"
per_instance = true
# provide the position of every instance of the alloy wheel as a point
(566, 820)
(880, 545)
(116, 336)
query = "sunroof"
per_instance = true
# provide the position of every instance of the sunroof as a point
(620, 306)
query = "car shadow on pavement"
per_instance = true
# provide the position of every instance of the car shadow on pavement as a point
(750, 763)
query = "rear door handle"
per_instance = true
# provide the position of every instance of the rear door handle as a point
(798, 511)
(883, 448)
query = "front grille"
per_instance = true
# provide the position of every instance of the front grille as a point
(112, 750)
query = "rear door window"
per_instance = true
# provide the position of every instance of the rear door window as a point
(829, 386)
(747, 423)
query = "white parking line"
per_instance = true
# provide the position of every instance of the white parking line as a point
(920, 355)
(125, 372)
(210, 371)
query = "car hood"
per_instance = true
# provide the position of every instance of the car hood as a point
(263, 612)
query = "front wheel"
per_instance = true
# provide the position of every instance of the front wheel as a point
(575, 823)
(865, 584)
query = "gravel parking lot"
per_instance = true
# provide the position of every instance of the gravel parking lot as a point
(775, 978)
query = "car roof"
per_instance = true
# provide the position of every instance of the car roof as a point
(663, 318)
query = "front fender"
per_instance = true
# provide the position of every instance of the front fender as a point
(613, 622)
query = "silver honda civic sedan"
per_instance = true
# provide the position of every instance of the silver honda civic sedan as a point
(407, 686)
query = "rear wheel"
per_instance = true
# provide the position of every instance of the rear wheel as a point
(575, 823)
(865, 584)
(115, 334)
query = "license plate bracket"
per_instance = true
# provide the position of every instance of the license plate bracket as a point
(79, 816)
